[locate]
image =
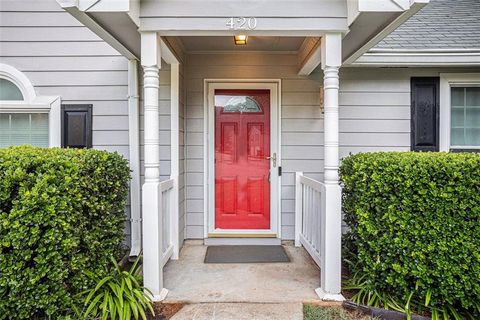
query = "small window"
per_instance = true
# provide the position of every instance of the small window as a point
(26, 118)
(237, 104)
(23, 128)
(242, 104)
(9, 91)
(465, 118)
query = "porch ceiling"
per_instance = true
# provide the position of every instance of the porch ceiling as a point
(255, 43)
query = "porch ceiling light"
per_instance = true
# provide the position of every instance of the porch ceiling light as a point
(240, 40)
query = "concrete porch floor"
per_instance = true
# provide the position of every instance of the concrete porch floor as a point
(190, 280)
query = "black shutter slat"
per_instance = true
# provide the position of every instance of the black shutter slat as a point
(425, 107)
(77, 126)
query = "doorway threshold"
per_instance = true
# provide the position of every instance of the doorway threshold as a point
(231, 241)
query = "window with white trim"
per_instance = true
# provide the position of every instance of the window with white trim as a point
(465, 118)
(460, 112)
(23, 128)
(26, 118)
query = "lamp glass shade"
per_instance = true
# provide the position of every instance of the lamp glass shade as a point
(240, 40)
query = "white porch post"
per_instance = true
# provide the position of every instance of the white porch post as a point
(174, 154)
(151, 211)
(331, 222)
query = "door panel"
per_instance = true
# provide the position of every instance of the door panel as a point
(242, 146)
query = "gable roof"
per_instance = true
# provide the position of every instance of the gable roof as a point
(441, 24)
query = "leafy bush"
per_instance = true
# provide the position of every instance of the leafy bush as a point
(414, 235)
(119, 295)
(61, 213)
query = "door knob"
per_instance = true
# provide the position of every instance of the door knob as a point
(274, 158)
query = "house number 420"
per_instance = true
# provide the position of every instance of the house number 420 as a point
(242, 23)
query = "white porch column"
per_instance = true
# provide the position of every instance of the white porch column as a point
(174, 154)
(331, 222)
(151, 210)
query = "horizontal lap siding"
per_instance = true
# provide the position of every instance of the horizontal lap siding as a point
(296, 93)
(62, 57)
(374, 110)
(374, 116)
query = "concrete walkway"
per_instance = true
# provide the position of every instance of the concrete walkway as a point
(240, 291)
(189, 279)
(240, 311)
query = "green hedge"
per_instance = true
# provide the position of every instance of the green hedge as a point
(61, 213)
(415, 226)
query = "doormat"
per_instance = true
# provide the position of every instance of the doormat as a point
(245, 254)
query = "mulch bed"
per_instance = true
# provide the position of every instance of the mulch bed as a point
(379, 313)
(165, 310)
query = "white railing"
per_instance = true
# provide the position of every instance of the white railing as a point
(309, 209)
(166, 202)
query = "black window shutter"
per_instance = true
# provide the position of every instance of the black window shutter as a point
(425, 107)
(77, 125)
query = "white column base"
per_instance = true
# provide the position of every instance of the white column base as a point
(152, 239)
(160, 297)
(329, 296)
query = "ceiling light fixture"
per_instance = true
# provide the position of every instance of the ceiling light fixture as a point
(240, 40)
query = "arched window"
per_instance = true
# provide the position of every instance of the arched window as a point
(9, 91)
(26, 118)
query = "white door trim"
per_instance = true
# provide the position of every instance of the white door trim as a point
(274, 85)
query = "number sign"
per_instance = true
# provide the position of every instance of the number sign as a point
(241, 23)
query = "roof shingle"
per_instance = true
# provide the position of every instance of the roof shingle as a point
(441, 24)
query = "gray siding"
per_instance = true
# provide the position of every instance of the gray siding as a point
(62, 57)
(374, 116)
(301, 124)
(198, 15)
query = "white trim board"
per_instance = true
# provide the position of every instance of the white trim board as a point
(425, 58)
(447, 81)
(274, 85)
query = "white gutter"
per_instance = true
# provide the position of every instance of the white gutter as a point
(71, 6)
(134, 151)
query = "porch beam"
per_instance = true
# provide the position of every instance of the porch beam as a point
(310, 55)
(331, 221)
(151, 197)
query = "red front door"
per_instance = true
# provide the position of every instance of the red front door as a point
(242, 148)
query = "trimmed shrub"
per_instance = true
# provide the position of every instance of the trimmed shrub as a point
(414, 222)
(62, 212)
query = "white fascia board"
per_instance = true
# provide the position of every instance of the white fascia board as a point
(356, 7)
(420, 58)
(416, 5)
(104, 6)
(383, 5)
(130, 7)
(71, 6)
